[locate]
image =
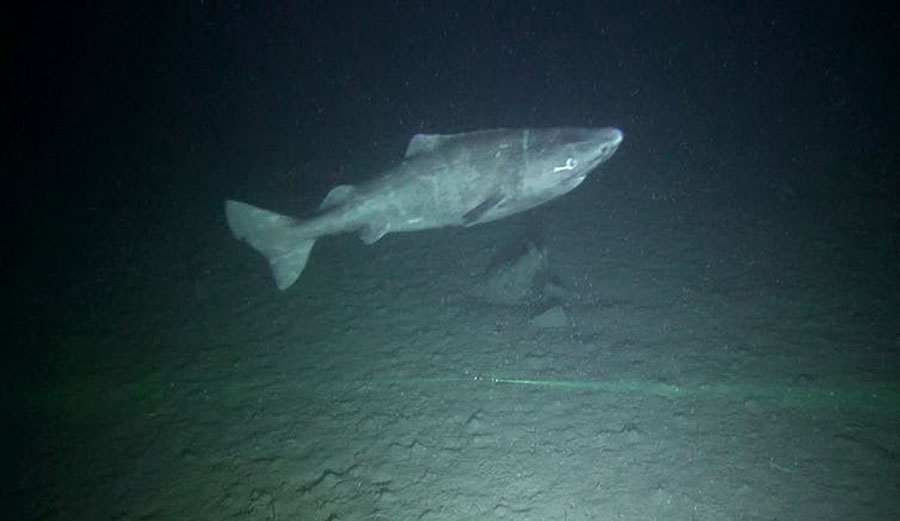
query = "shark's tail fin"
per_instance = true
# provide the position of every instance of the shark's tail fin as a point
(276, 236)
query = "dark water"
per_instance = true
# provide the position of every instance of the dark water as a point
(743, 245)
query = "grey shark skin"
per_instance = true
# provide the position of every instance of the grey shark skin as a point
(444, 180)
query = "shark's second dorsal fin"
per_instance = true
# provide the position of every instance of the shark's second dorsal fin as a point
(425, 142)
(337, 196)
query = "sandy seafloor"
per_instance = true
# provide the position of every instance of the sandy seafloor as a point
(732, 355)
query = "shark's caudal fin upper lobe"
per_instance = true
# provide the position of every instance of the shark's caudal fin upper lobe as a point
(276, 236)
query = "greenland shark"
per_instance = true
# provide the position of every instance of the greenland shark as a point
(444, 180)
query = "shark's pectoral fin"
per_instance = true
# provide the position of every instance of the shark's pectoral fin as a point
(337, 196)
(477, 214)
(370, 233)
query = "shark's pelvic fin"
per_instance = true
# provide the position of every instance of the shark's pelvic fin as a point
(276, 236)
(372, 233)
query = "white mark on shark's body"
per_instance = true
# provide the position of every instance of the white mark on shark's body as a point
(570, 165)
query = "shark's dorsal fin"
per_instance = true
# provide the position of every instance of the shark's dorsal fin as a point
(475, 215)
(425, 142)
(337, 196)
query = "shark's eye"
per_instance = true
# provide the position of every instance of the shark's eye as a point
(571, 163)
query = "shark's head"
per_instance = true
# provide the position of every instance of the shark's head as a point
(557, 160)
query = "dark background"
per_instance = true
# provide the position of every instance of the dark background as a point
(125, 124)
(130, 119)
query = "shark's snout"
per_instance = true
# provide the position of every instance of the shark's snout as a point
(614, 135)
(609, 140)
